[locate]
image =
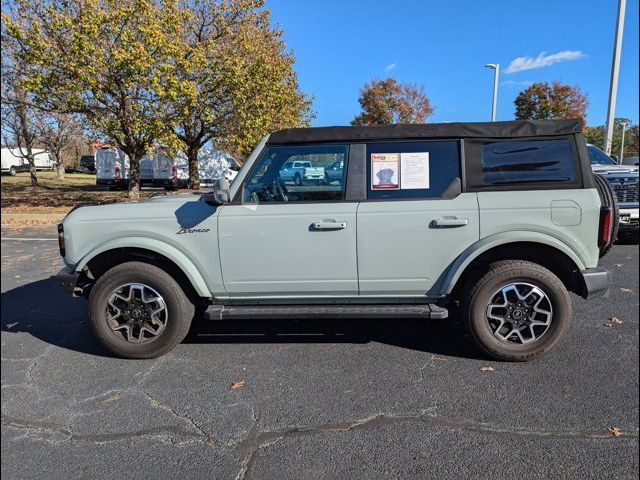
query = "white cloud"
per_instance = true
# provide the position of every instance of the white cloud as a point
(390, 67)
(513, 83)
(542, 60)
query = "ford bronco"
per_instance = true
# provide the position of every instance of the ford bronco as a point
(495, 222)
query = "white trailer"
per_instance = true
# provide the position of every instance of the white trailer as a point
(173, 171)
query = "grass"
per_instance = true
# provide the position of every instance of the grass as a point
(52, 198)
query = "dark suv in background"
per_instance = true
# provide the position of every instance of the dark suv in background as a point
(88, 163)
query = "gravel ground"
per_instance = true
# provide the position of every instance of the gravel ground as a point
(313, 399)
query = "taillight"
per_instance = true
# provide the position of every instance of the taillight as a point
(61, 239)
(606, 227)
(117, 173)
(174, 173)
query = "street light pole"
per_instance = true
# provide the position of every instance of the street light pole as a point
(615, 68)
(496, 68)
(624, 127)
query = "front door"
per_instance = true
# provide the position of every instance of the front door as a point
(286, 240)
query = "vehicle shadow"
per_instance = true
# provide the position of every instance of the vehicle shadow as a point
(42, 310)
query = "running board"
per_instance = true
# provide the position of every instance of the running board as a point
(246, 312)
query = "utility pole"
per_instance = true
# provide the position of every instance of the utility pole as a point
(496, 68)
(624, 127)
(615, 68)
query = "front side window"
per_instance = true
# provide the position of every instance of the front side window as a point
(527, 161)
(297, 174)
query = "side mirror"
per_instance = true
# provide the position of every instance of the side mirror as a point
(615, 158)
(220, 193)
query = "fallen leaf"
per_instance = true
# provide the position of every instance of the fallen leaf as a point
(487, 369)
(236, 385)
(137, 374)
(618, 264)
(615, 431)
(616, 320)
(625, 289)
(112, 398)
(607, 324)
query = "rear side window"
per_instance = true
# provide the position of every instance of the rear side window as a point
(527, 162)
(412, 170)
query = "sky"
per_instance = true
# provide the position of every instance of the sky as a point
(341, 44)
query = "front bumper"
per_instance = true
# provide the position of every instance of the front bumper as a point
(597, 282)
(68, 280)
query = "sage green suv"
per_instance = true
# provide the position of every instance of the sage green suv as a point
(495, 221)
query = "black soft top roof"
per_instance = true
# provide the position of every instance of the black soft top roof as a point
(513, 129)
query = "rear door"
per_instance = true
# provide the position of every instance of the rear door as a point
(285, 240)
(415, 220)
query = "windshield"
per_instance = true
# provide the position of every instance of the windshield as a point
(597, 156)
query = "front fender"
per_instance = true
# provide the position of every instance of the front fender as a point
(445, 283)
(157, 246)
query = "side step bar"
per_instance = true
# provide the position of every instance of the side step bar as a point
(246, 312)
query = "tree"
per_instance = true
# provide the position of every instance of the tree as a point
(112, 61)
(387, 101)
(556, 100)
(239, 79)
(595, 136)
(19, 125)
(56, 133)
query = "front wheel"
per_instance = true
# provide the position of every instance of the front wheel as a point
(137, 310)
(13, 172)
(517, 311)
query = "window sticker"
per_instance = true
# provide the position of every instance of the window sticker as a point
(385, 171)
(414, 170)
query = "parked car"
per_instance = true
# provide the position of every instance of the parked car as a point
(631, 161)
(172, 171)
(494, 221)
(112, 168)
(624, 181)
(334, 172)
(88, 163)
(301, 172)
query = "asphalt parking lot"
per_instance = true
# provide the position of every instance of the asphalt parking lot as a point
(325, 399)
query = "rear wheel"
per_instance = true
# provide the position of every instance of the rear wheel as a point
(517, 311)
(137, 310)
(608, 199)
(13, 172)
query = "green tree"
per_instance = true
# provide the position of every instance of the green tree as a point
(111, 61)
(387, 101)
(595, 136)
(544, 100)
(239, 82)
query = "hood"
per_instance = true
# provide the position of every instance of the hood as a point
(162, 206)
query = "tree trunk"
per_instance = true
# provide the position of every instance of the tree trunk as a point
(32, 172)
(60, 169)
(194, 174)
(134, 176)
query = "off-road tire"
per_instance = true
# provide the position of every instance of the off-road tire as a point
(502, 273)
(609, 199)
(180, 310)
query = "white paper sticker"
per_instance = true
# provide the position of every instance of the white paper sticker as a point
(414, 170)
(384, 171)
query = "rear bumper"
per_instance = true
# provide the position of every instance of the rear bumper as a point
(597, 282)
(68, 279)
(628, 218)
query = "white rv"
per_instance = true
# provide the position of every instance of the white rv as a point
(112, 168)
(13, 162)
(173, 171)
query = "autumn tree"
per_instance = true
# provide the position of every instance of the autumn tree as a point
(555, 100)
(239, 79)
(111, 61)
(57, 132)
(388, 101)
(19, 125)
